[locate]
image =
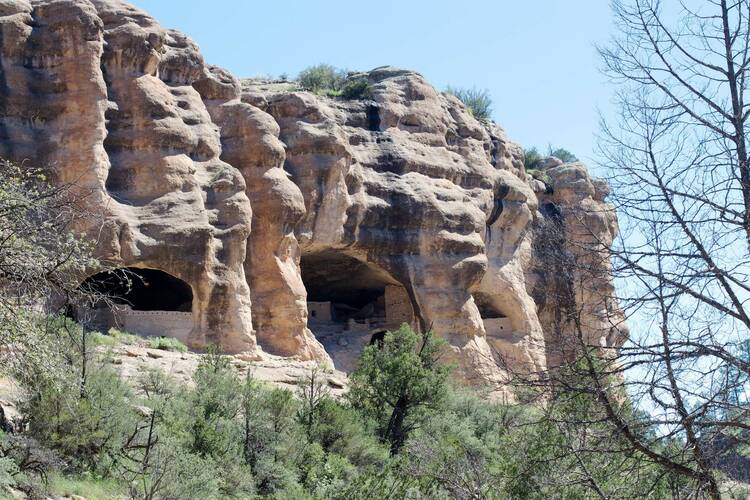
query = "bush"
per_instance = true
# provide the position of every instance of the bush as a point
(173, 472)
(226, 437)
(87, 487)
(84, 423)
(123, 337)
(214, 427)
(25, 464)
(340, 430)
(562, 153)
(82, 411)
(532, 156)
(115, 337)
(478, 102)
(356, 88)
(167, 344)
(8, 472)
(396, 382)
(39, 258)
(322, 78)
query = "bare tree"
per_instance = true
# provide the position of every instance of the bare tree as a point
(312, 393)
(676, 153)
(44, 257)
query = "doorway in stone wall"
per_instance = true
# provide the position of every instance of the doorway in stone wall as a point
(143, 301)
(348, 300)
(496, 323)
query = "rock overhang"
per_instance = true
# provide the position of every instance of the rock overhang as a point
(229, 184)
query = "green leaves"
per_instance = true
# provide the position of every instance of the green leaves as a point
(397, 381)
(321, 78)
(324, 79)
(477, 101)
(532, 156)
(40, 257)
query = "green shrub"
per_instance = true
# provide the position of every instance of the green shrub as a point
(173, 472)
(87, 486)
(124, 337)
(322, 78)
(84, 422)
(323, 474)
(339, 430)
(115, 337)
(82, 409)
(8, 471)
(167, 344)
(99, 339)
(356, 88)
(532, 156)
(403, 432)
(397, 382)
(562, 153)
(478, 102)
(214, 427)
(25, 464)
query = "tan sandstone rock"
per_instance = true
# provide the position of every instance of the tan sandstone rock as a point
(271, 202)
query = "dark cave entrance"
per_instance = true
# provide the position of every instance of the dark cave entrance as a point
(341, 288)
(378, 337)
(486, 307)
(351, 303)
(145, 302)
(141, 289)
(373, 118)
(496, 323)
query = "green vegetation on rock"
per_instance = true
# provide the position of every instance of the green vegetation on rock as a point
(167, 344)
(324, 79)
(532, 156)
(477, 101)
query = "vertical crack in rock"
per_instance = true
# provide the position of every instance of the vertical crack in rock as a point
(373, 118)
(497, 209)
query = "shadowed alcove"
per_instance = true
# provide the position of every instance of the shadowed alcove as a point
(142, 289)
(146, 302)
(355, 289)
(496, 323)
(350, 300)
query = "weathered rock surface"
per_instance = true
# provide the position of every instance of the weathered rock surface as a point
(131, 362)
(242, 190)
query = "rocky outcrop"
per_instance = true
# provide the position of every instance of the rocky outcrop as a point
(244, 190)
(570, 276)
(104, 97)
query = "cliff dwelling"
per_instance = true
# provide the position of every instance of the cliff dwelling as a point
(146, 302)
(496, 324)
(350, 304)
(200, 174)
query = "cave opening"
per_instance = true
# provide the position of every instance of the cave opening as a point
(141, 289)
(496, 323)
(351, 303)
(340, 288)
(378, 338)
(487, 308)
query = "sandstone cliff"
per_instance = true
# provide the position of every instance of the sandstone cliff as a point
(266, 199)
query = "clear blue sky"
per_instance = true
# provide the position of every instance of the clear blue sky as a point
(537, 58)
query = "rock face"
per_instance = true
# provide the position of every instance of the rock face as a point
(263, 199)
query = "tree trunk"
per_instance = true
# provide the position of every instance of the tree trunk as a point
(395, 432)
